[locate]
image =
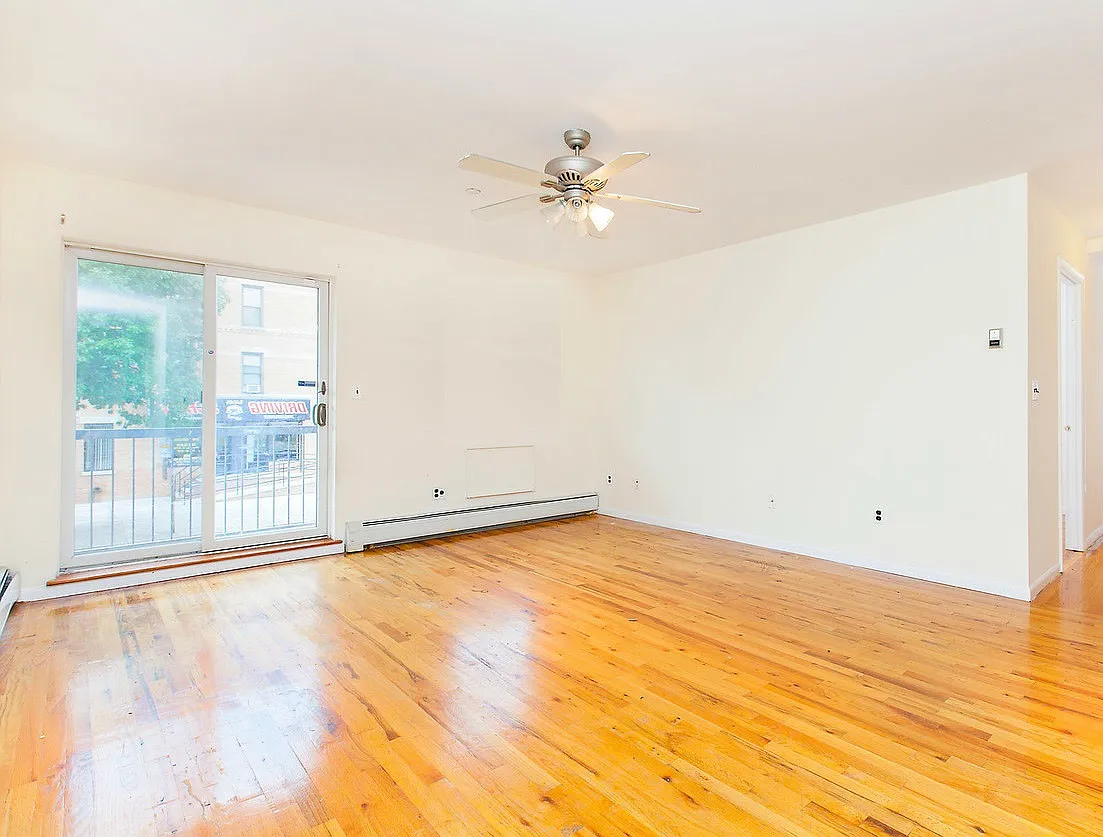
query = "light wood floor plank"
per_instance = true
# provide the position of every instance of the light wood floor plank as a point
(585, 677)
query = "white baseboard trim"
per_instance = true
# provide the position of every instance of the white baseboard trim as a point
(32, 594)
(1010, 592)
(1094, 539)
(1043, 581)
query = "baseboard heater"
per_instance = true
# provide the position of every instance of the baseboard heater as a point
(9, 592)
(361, 535)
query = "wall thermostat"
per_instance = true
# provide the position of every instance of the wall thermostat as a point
(995, 338)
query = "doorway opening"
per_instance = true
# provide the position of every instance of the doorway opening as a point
(1071, 407)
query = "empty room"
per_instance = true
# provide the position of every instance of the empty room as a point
(628, 419)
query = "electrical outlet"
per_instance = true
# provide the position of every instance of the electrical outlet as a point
(773, 502)
(637, 485)
(877, 516)
(609, 479)
(438, 493)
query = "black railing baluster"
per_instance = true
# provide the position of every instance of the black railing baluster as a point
(153, 489)
(191, 475)
(112, 526)
(133, 489)
(172, 505)
(91, 491)
(225, 498)
(272, 460)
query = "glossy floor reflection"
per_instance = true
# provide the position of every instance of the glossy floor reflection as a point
(574, 678)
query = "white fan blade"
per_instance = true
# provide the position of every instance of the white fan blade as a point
(618, 164)
(506, 171)
(681, 207)
(509, 207)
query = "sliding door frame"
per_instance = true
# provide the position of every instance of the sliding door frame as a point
(205, 541)
(210, 427)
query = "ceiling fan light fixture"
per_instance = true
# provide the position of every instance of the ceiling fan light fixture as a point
(576, 210)
(553, 213)
(600, 216)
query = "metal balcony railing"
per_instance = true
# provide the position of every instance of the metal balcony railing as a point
(144, 486)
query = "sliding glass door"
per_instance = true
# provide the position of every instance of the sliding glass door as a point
(199, 420)
(268, 385)
(138, 373)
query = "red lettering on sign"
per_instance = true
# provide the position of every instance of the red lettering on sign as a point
(280, 408)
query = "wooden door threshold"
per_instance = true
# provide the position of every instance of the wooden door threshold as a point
(181, 561)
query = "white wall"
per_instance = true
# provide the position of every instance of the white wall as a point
(839, 368)
(1052, 236)
(451, 350)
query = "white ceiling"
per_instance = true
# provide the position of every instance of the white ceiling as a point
(769, 114)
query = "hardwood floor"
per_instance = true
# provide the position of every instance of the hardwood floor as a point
(574, 678)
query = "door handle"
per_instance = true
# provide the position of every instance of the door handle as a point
(320, 414)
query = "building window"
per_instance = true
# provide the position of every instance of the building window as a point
(252, 372)
(99, 453)
(252, 306)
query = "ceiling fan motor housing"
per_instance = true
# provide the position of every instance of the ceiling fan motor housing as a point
(572, 169)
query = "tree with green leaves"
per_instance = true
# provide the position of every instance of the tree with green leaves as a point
(139, 342)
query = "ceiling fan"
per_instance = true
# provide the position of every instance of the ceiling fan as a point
(577, 183)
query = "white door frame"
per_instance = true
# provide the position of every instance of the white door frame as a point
(1071, 406)
(203, 541)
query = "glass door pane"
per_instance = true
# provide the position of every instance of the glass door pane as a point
(267, 384)
(139, 402)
